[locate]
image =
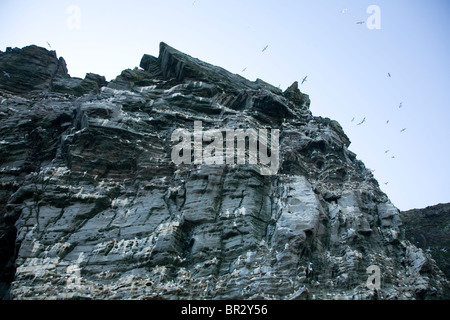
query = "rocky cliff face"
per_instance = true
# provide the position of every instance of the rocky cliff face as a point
(429, 229)
(92, 205)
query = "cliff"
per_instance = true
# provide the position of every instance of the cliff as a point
(429, 229)
(92, 204)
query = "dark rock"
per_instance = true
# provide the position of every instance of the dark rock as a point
(34, 69)
(429, 229)
(293, 93)
(98, 79)
(330, 196)
(31, 69)
(174, 64)
(270, 107)
(147, 61)
(92, 205)
(131, 78)
(78, 87)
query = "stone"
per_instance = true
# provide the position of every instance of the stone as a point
(93, 207)
(428, 229)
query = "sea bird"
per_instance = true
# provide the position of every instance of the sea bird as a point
(304, 79)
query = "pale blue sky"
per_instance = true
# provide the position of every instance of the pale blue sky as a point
(346, 63)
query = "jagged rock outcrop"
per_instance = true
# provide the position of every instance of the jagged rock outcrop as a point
(34, 70)
(96, 208)
(429, 229)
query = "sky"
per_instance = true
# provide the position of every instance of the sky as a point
(345, 50)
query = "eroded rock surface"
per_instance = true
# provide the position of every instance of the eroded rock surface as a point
(429, 229)
(92, 205)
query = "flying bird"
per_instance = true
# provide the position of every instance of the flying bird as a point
(49, 44)
(360, 22)
(363, 120)
(401, 105)
(386, 183)
(403, 130)
(265, 48)
(386, 151)
(344, 10)
(387, 121)
(393, 157)
(353, 119)
(389, 74)
(244, 69)
(304, 79)
(6, 74)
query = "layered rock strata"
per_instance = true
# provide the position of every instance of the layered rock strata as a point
(429, 229)
(92, 205)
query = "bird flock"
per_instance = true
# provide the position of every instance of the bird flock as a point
(387, 122)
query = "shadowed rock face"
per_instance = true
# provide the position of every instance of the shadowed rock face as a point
(429, 229)
(36, 70)
(92, 205)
